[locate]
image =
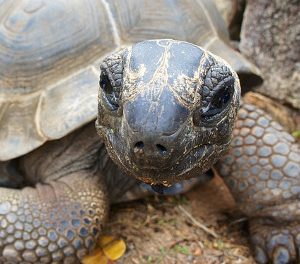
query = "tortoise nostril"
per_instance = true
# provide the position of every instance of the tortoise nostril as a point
(161, 149)
(139, 145)
(142, 149)
(139, 148)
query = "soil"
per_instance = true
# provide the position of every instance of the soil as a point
(170, 230)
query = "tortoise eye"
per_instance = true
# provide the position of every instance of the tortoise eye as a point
(111, 95)
(106, 85)
(219, 101)
(217, 104)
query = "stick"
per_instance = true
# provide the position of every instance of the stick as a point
(197, 223)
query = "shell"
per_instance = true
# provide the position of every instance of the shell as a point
(50, 52)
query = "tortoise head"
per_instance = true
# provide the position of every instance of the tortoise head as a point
(166, 109)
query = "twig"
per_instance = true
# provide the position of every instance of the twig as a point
(197, 223)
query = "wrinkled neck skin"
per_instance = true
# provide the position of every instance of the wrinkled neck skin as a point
(163, 128)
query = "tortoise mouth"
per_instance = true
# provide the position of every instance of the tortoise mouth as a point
(187, 165)
(197, 152)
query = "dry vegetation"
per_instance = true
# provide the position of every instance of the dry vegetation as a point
(172, 229)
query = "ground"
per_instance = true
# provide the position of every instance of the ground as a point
(200, 226)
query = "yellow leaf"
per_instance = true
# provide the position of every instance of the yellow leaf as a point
(105, 240)
(114, 249)
(96, 257)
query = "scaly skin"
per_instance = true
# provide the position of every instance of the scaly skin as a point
(263, 173)
(59, 219)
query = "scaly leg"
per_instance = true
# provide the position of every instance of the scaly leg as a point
(262, 170)
(59, 219)
(55, 222)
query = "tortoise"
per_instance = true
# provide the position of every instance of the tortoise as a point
(49, 93)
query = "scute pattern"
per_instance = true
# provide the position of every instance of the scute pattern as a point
(39, 41)
(45, 45)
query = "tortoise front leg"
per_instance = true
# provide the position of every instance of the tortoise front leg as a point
(59, 219)
(262, 170)
(57, 222)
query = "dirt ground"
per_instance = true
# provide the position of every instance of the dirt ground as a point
(170, 229)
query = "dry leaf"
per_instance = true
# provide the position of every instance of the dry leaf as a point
(96, 257)
(109, 248)
(115, 249)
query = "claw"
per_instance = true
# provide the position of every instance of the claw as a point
(260, 255)
(281, 256)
